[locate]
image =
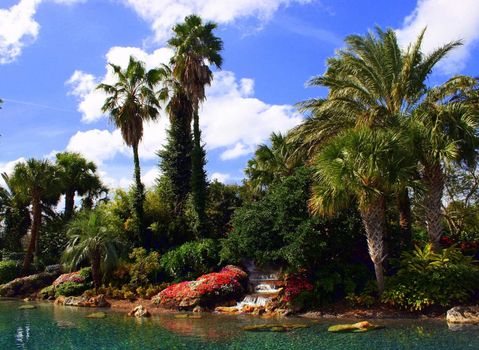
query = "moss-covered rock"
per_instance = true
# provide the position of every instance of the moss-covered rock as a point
(363, 326)
(27, 307)
(96, 315)
(286, 327)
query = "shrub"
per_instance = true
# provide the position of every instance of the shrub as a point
(144, 268)
(47, 292)
(8, 271)
(426, 278)
(191, 259)
(70, 289)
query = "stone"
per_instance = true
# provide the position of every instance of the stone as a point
(28, 285)
(96, 315)
(274, 327)
(139, 311)
(198, 309)
(463, 314)
(189, 316)
(83, 301)
(27, 307)
(227, 309)
(363, 326)
(66, 324)
(98, 301)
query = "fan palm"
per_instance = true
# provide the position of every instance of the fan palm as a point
(77, 176)
(372, 83)
(131, 101)
(37, 182)
(196, 48)
(91, 238)
(363, 166)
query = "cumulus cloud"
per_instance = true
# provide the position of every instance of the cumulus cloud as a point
(221, 177)
(8, 168)
(163, 14)
(18, 27)
(446, 20)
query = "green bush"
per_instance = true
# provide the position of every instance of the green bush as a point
(426, 278)
(191, 259)
(8, 271)
(70, 289)
(144, 267)
(47, 292)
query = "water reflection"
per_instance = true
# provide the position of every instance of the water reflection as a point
(22, 335)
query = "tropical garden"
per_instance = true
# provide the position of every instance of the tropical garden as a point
(372, 200)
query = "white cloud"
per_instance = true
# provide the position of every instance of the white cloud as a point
(446, 20)
(8, 168)
(237, 151)
(18, 27)
(221, 177)
(163, 14)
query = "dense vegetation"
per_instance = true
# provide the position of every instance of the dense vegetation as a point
(373, 198)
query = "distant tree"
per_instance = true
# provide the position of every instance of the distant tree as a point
(131, 101)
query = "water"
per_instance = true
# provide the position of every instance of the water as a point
(52, 327)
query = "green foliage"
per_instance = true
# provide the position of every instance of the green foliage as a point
(9, 270)
(426, 278)
(47, 292)
(222, 202)
(191, 259)
(52, 241)
(70, 289)
(144, 267)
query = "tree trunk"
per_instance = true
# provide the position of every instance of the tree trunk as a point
(69, 203)
(96, 271)
(373, 217)
(139, 198)
(434, 184)
(405, 218)
(35, 229)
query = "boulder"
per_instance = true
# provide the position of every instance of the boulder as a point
(363, 326)
(83, 301)
(227, 309)
(275, 327)
(27, 285)
(463, 314)
(139, 311)
(208, 290)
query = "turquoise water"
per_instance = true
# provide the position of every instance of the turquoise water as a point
(55, 327)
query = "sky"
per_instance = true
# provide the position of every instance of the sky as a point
(54, 52)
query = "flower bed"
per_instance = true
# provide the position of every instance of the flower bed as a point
(77, 277)
(206, 290)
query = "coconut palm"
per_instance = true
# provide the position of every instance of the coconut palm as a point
(92, 239)
(196, 48)
(362, 166)
(37, 182)
(446, 127)
(131, 101)
(372, 83)
(77, 176)
(270, 163)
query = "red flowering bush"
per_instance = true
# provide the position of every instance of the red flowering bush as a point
(81, 276)
(205, 290)
(295, 285)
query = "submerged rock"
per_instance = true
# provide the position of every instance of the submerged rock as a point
(363, 326)
(274, 327)
(66, 325)
(183, 316)
(207, 290)
(27, 307)
(463, 314)
(139, 311)
(96, 315)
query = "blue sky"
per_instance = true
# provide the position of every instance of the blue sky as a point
(53, 53)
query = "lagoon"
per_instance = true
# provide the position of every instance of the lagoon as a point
(54, 327)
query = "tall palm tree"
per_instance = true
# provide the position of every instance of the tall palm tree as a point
(196, 48)
(372, 83)
(445, 125)
(363, 166)
(36, 181)
(131, 101)
(77, 176)
(91, 239)
(270, 163)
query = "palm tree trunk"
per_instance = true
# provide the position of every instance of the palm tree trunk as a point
(434, 184)
(139, 197)
(69, 203)
(36, 223)
(96, 271)
(373, 217)
(405, 218)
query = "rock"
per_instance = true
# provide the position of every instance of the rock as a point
(207, 290)
(98, 301)
(83, 301)
(96, 315)
(27, 307)
(275, 327)
(463, 314)
(66, 325)
(139, 311)
(198, 309)
(247, 309)
(184, 316)
(362, 326)
(227, 309)
(27, 285)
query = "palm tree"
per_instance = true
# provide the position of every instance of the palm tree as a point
(36, 181)
(372, 83)
(196, 47)
(445, 126)
(77, 176)
(131, 101)
(91, 238)
(271, 163)
(362, 166)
